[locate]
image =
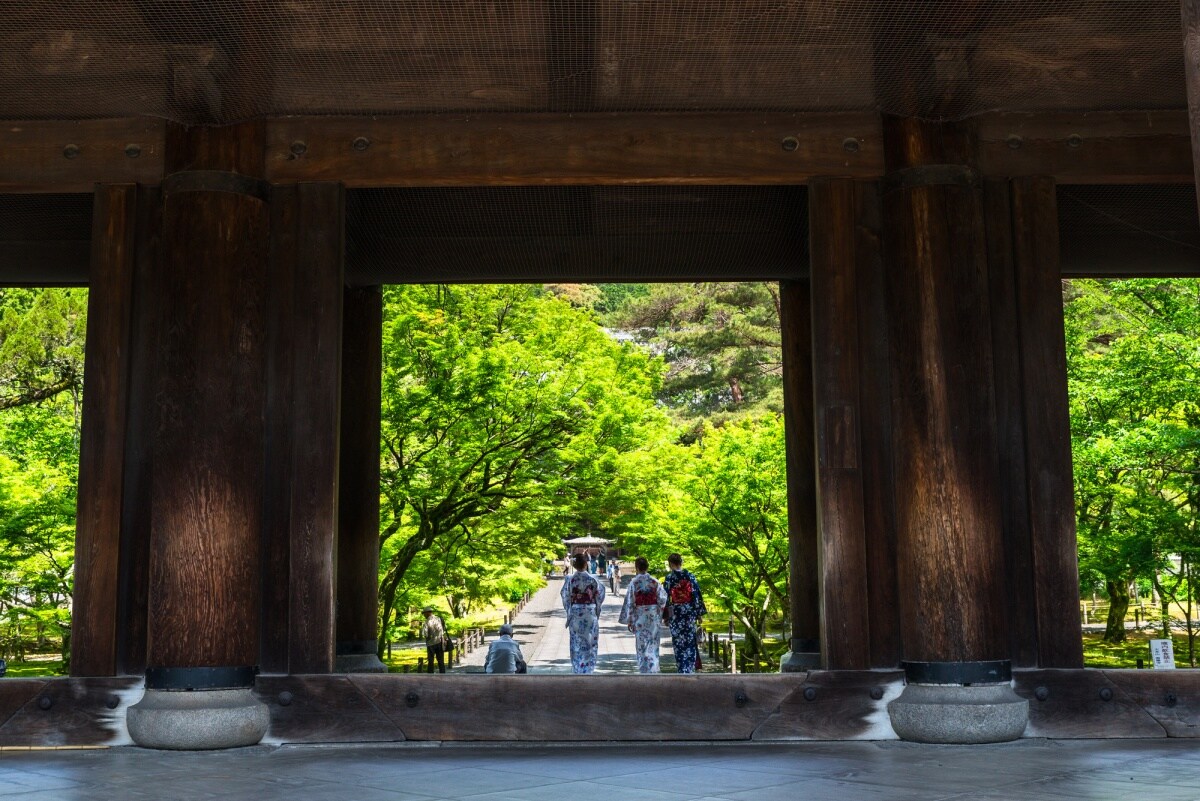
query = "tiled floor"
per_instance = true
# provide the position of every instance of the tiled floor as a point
(1108, 770)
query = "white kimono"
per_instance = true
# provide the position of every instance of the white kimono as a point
(582, 595)
(642, 611)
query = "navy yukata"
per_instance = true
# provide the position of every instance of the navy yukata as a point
(687, 607)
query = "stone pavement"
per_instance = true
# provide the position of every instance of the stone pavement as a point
(1027, 770)
(541, 630)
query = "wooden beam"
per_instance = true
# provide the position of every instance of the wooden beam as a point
(358, 482)
(102, 443)
(75, 155)
(1114, 254)
(317, 339)
(795, 318)
(950, 557)
(1020, 589)
(835, 207)
(44, 263)
(1047, 422)
(875, 432)
(207, 485)
(557, 149)
(532, 149)
(136, 522)
(304, 317)
(1116, 147)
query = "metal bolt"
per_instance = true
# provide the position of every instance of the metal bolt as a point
(1015, 142)
(1041, 693)
(740, 699)
(133, 151)
(851, 145)
(299, 148)
(1105, 694)
(285, 698)
(810, 693)
(45, 702)
(1074, 140)
(1170, 699)
(790, 143)
(411, 699)
(361, 143)
(876, 693)
(113, 701)
(70, 151)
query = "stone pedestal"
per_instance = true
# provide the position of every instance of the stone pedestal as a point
(802, 656)
(934, 713)
(959, 702)
(197, 720)
(358, 657)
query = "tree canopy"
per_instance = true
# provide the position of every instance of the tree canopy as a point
(506, 416)
(721, 343)
(1134, 374)
(41, 383)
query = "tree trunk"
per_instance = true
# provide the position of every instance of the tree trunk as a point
(1118, 596)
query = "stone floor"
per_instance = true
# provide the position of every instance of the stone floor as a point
(1109, 770)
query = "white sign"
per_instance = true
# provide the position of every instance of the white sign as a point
(1162, 653)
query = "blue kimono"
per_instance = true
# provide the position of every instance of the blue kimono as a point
(686, 608)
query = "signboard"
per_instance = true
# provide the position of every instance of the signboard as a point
(1162, 654)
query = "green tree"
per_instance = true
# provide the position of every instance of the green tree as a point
(41, 344)
(41, 383)
(721, 342)
(723, 500)
(505, 414)
(1134, 379)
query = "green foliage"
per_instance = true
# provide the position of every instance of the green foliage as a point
(506, 417)
(41, 344)
(41, 381)
(721, 342)
(723, 503)
(1134, 375)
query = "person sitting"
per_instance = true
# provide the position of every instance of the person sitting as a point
(504, 654)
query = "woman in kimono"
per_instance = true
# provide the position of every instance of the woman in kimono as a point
(582, 595)
(645, 600)
(685, 609)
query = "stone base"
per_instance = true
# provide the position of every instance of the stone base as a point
(358, 663)
(939, 713)
(800, 662)
(197, 720)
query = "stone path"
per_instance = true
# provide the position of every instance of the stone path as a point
(1028, 770)
(541, 631)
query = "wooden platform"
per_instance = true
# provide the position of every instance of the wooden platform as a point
(836, 705)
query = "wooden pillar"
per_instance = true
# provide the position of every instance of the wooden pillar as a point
(207, 483)
(134, 589)
(795, 315)
(1047, 423)
(102, 447)
(358, 505)
(1033, 422)
(1010, 425)
(951, 574)
(303, 379)
(838, 214)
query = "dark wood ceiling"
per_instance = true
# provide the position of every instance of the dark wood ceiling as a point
(228, 60)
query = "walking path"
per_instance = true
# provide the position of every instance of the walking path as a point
(541, 629)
